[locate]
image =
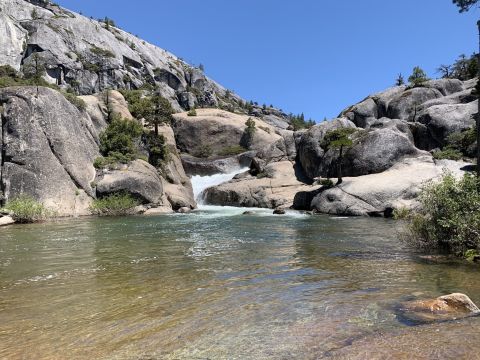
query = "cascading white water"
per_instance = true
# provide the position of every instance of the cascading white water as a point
(200, 183)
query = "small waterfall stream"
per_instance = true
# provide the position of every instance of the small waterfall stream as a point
(201, 183)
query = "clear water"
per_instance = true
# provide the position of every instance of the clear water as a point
(221, 285)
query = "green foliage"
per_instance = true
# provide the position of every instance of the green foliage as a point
(401, 213)
(298, 122)
(75, 100)
(264, 128)
(418, 77)
(400, 80)
(27, 210)
(251, 127)
(465, 5)
(448, 153)
(338, 138)
(232, 150)
(192, 112)
(449, 216)
(327, 183)
(471, 255)
(114, 205)
(203, 151)
(157, 148)
(102, 52)
(117, 142)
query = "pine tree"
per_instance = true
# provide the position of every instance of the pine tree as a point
(400, 80)
(418, 76)
(338, 139)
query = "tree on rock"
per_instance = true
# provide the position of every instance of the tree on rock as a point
(35, 70)
(162, 112)
(418, 76)
(465, 5)
(400, 80)
(249, 133)
(338, 139)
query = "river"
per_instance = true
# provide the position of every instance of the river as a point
(216, 284)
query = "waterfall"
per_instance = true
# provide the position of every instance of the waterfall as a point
(200, 183)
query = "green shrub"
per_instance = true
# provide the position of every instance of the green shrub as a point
(401, 213)
(192, 112)
(75, 100)
(266, 129)
(448, 153)
(232, 150)
(204, 151)
(328, 183)
(157, 148)
(114, 205)
(102, 52)
(118, 139)
(27, 210)
(449, 217)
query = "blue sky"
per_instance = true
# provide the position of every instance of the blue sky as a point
(311, 56)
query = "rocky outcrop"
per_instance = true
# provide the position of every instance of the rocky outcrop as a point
(48, 150)
(379, 194)
(213, 132)
(138, 178)
(447, 307)
(276, 188)
(176, 183)
(6, 220)
(90, 56)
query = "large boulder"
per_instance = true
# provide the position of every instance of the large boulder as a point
(224, 165)
(441, 121)
(375, 149)
(310, 153)
(380, 194)
(218, 131)
(48, 150)
(406, 105)
(283, 149)
(138, 178)
(447, 307)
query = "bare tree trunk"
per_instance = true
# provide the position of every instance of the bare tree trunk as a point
(156, 129)
(339, 167)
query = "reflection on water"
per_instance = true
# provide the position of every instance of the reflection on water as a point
(210, 286)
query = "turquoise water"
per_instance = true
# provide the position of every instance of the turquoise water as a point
(220, 285)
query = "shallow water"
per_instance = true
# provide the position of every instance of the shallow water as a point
(216, 284)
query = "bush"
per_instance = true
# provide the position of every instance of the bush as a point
(204, 151)
(232, 150)
(102, 52)
(192, 112)
(27, 210)
(328, 183)
(75, 100)
(449, 216)
(448, 153)
(157, 148)
(118, 139)
(114, 205)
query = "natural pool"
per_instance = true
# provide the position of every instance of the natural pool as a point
(216, 284)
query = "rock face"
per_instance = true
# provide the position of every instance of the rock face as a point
(215, 131)
(448, 307)
(49, 147)
(90, 56)
(224, 165)
(48, 150)
(176, 183)
(380, 194)
(137, 178)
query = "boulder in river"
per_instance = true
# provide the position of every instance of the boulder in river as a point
(443, 308)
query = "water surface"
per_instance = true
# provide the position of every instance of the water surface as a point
(221, 285)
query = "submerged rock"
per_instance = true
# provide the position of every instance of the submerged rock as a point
(279, 211)
(443, 308)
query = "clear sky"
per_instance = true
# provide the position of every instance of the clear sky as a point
(311, 56)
